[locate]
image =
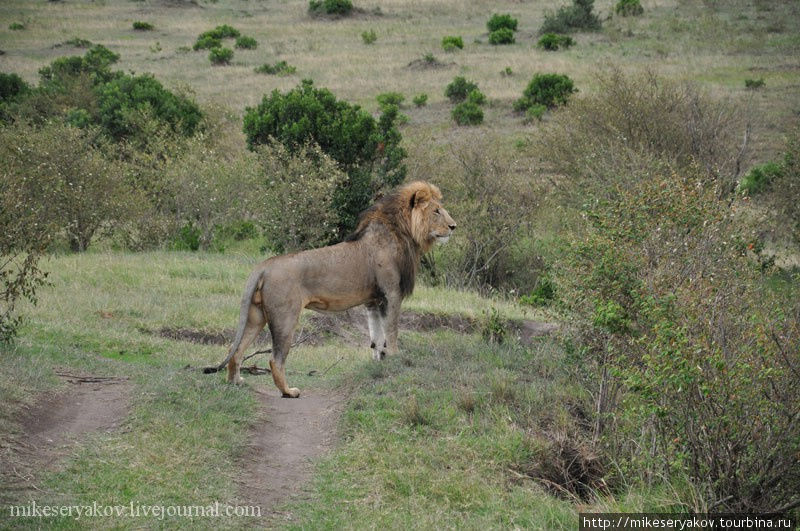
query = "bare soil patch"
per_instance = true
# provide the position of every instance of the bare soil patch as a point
(293, 433)
(351, 326)
(55, 423)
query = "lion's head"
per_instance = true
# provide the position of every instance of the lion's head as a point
(415, 215)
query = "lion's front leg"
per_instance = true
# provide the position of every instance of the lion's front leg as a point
(390, 324)
(377, 334)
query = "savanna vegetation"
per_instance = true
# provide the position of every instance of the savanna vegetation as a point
(641, 187)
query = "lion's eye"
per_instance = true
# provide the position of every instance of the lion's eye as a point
(436, 211)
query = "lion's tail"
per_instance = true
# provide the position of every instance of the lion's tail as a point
(249, 289)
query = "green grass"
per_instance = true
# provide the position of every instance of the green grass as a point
(177, 444)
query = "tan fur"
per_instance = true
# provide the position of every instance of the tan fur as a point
(376, 266)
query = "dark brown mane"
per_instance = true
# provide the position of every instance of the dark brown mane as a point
(393, 213)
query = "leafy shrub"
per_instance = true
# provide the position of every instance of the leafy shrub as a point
(368, 151)
(187, 239)
(390, 98)
(549, 90)
(222, 32)
(79, 118)
(535, 112)
(467, 113)
(501, 22)
(552, 42)
(629, 8)
(507, 72)
(452, 42)
(330, 7)
(281, 68)
(369, 36)
(95, 64)
(477, 97)
(758, 178)
(501, 36)
(577, 17)
(543, 294)
(458, 89)
(220, 56)
(494, 329)
(302, 187)
(16, 26)
(429, 58)
(142, 26)
(420, 100)
(754, 84)
(121, 97)
(12, 87)
(246, 43)
(207, 42)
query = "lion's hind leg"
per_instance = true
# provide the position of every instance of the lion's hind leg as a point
(282, 330)
(255, 324)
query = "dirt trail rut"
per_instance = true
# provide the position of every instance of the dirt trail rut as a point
(278, 462)
(55, 422)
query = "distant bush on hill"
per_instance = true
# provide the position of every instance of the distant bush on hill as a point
(553, 42)
(330, 7)
(501, 21)
(579, 16)
(629, 8)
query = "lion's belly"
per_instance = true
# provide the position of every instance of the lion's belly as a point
(336, 304)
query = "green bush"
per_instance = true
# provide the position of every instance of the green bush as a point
(390, 98)
(553, 42)
(16, 26)
(452, 42)
(207, 42)
(281, 68)
(121, 98)
(78, 42)
(759, 178)
(477, 97)
(246, 43)
(754, 84)
(458, 89)
(142, 26)
(369, 36)
(12, 87)
(535, 112)
(467, 113)
(222, 32)
(577, 17)
(368, 151)
(629, 8)
(549, 90)
(330, 7)
(220, 56)
(95, 65)
(501, 22)
(420, 100)
(543, 294)
(501, 36)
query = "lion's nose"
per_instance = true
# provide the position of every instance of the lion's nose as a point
(452, 226)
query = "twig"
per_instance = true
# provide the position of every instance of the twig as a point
(217, 368)
(312, 373)
(78, 378)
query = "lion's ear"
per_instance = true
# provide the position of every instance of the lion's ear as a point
(420, 198)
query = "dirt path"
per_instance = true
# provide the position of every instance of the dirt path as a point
(293, 433)
(52, 425)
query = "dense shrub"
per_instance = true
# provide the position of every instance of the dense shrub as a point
(420, 100)
(207, 42)
(629, 8)
(330, 7)
(501, 36)
(142, 26)
(222, 32)
(121, 97)
(246, 43)
(16, 26)
(458, 89)
(467, 113)
(754, 84)
(12, 87)
(368, 151)
(549, 90)
(498, 22)
(281, 68)
(390, 98)
(577, 17)
(94, 65)
(553, 42)
(220, 56)
(452, 42)
(302, 186)
(369, 36)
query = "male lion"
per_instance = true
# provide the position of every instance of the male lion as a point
(375, 266)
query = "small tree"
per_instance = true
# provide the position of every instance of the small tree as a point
(368, 151)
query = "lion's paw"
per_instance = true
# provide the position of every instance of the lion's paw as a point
(294, 392)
